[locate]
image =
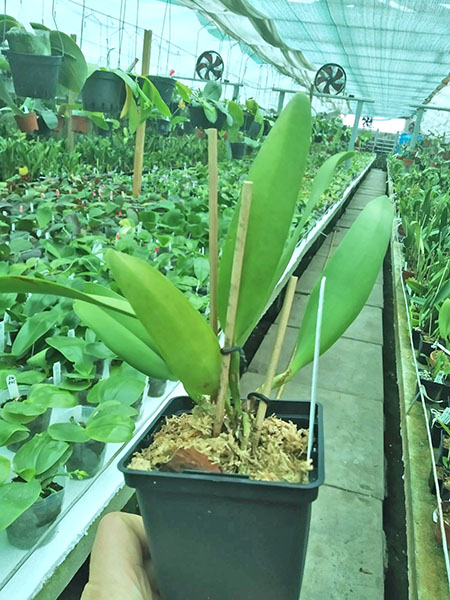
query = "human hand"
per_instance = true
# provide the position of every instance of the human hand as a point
(120, 565)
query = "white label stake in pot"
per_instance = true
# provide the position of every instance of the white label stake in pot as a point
(57, 373)
(315, 373)
(13, 389)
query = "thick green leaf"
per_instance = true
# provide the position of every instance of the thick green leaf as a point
(5, 469)
(201, 268)
(73, 71)
(21, 412)
(150, 91)
(10, 433)
(33, 329)
(110, 428)
(276, 175)
(184, 91)
(38, 456)
(22, 285)
(25, 377)
(125, 390)
(321, 182)
(183, 338)
(68, 432)
(444, 320)
(238, 120)
(351, 274)
(15, 498)
(46, 395)
(119, 338)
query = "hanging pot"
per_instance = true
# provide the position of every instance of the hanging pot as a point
(198, 118)
(237, 149)
(27, 123)
(164, 85)
(28, 529)
(34, 76)
(103, 92)
(224, 536)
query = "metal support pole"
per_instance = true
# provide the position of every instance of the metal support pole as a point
(415, 135)
(281, 96)
(354, 134)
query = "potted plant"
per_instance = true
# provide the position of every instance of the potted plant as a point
(41, 58)
(32, 500)
(206, 110)
(207, 517)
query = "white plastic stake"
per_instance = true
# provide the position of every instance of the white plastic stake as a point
(139, 227)
(71, 333)
(57, 373)
(105, 372)
(13, 226)
(8, 335)
(31, 207)
(315, 373)
(13, 389)
(146, 388)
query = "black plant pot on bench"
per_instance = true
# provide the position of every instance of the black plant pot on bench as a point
(223, 537)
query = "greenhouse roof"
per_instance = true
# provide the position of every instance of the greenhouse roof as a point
(394, 52)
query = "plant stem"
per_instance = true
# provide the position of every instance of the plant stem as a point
(233, 298)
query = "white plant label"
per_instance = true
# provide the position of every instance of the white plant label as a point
(71, 333)
(31, 207)
(38, 232)
(13, 226)
(146, 388)
(139, 227)
(105, 372)
(8, 335)
(47, 235)
(57, 373)
(445, 416)
(13, 389)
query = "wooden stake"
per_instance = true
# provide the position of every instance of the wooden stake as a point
(213, 228)
(140, 131)
(233, 298)
(281, 332)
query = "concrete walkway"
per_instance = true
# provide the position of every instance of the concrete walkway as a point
(345, 558)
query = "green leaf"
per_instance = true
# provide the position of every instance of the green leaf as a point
(184, 91)
(276, 175)
(68, 432)
(444, 320)
(125, 390)
(73, 71)
(15, 498)
(10, 433)
(321, 182)
(40, 455)
(183, 338)
(21, 412)
(110, 428)
(74, 349)
(201, 268)
(44, 214)
(5, 469)
(150, 91)
(238, 119)
(33, 329)
(351, 274)
(46, 395)
(115, 333)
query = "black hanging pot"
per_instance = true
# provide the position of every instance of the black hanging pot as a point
(220, 536)
(34, 76)
(198, 118)
(165, 86)
(237, 149)
(103, 92)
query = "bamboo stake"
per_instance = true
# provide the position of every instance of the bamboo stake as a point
(140, 131)
(274, 359)
(235, 283)
(213, 228)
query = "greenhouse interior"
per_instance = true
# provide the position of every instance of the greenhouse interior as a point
(224, 266)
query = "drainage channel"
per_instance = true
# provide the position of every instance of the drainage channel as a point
(394, 513)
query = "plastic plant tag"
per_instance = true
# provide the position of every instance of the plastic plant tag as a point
(31, 207)
(47, 235)
(8, 335)
(139, 227)
(57, 373)
(38, 232)
(440, 377)
(13, 226)
(11, 384)
(71, 333)
(146, 388)
(105, 372)
(445, 416)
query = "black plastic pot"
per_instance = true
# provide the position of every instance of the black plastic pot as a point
(37, 425)
(249, 126)
(198, 118)
(87, 456)
(156, 387)
(438, 392)
(165, 86)
(223, 537)
(28, 529)
(237, 149)
(103, 92)
(34, 76)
